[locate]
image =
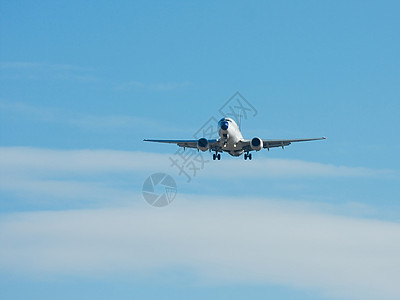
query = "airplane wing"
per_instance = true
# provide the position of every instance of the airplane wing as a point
(186, 143)
(276, 143)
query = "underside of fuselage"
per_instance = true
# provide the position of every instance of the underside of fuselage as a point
(234, 153)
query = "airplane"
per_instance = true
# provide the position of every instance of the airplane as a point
(231, 141)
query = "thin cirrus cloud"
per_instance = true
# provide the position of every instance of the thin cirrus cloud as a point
(113, 176)
(19, 65)
(80, 120)
(45, 71)
(25, 158)
(30, 111)
(219, 241)
(158, 87)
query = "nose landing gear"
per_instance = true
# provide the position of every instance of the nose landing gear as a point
(247, 156)
(216, 156)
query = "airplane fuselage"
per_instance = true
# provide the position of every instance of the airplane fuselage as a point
(230, 136)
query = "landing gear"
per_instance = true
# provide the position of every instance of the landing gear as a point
(216, 156)
(247, 156)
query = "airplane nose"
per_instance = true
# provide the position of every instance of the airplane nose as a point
(224, 125)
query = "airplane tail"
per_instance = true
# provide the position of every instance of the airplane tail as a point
(240, 120)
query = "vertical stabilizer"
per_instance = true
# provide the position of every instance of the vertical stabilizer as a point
(240, 120)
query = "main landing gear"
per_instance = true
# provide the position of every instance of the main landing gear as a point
(216, 156)
(247, 156)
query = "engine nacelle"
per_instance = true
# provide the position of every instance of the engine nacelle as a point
(202, 144)
(256, 144)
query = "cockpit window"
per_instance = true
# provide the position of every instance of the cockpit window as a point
(224, 119)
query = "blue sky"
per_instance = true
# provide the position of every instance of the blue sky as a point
(81, 85)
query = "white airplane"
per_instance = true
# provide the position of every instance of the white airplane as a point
(231, 141)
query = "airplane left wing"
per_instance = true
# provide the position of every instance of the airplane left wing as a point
(282, 143)
(276, 143)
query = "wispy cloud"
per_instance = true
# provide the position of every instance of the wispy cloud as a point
(110, 122)
(82, 120)
(112, 175)
(221, 241)
(24, 158)
(45, 71)
(29, 111)
(73, 178)
(77, 161)
(273, 168)
(160, 87)
(35, 65)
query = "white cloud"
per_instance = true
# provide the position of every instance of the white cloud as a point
(80, 177)
(221, 241)
(45, 71)
(303, 245)
(73, 177)
(271, 168)
(82, 121)
(77, 161)
(23, 158)
(110, 122)
(159, 87)
(21, 65)
(33, 112)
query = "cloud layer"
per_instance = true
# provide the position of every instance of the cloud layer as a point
(24, 159)
(219, 241)
(237, 240)
(110, 176)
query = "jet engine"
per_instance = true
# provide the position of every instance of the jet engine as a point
(202, 144)
(256, 144)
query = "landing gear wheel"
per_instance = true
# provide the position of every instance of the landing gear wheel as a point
(247, 156)
(214, 156)
(219, 156)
